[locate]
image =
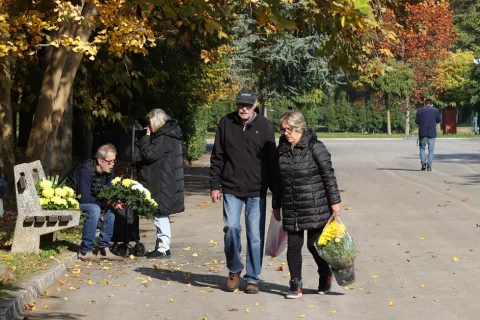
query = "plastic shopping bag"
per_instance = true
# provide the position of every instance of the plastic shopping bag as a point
(337, 248)
(276, 238)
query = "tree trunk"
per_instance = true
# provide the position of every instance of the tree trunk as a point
(61, 159)
(407, 116)
(87, 143)
(389, 124)
(7, 149)
(42, 124)
(63, 93)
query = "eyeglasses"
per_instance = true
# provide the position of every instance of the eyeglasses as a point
(110, 162)
(287, 130)
(242, 105)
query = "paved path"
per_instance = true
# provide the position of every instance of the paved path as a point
(408, 227)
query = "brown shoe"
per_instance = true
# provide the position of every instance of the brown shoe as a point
(105, 253)
(252, 288)
(233, 281)
(89, 256)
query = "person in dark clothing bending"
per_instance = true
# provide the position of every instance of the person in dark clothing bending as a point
(309, 195)
(427, 119)
(90, 177)
(243, 164)
(162, 174)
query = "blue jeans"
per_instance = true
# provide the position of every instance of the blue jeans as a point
(90, 227)
(255, 210)
(431, 150)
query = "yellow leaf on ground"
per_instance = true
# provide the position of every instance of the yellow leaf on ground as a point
(455, 258)
(46, 307)
(374, 277)
(422, 238)
(211, 241)
(105, 268)
(132, 257)
(233, 309)
(333, 311)
(90, 282)
(171, 300)
(195, 254)
(346, 288)
(105, 282)
(147, 305)
(76, 271)
(422, 285)
(256, 304)
(280, 268)
(186, 249)
(311, 306)
(247, 310)
(65, 298)
(302, 316)
(391, 304)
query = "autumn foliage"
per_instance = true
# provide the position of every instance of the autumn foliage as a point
(425, 34)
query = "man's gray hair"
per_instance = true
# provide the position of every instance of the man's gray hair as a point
(157, 118)
(103, 150)
(295, 119)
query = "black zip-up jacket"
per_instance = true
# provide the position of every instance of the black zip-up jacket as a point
(244, 161)
(307, 186)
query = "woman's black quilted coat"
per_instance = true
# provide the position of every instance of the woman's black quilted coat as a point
(308, 186)
(162, 167)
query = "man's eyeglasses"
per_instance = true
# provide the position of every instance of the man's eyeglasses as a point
(287, 130)
(110, 162)
(242, 105)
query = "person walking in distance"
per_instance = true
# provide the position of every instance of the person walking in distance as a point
(427, 119)
(243, 165)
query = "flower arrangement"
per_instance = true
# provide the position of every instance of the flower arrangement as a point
(337, 248)
(54, 196)
(133, 193)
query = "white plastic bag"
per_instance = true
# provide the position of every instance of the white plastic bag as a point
(276, 238)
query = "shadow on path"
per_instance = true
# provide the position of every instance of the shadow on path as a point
(397, 169)
(215, 281)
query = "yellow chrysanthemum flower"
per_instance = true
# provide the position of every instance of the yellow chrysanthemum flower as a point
(48, 193)
(60, 192)
(70, 191)
(333, 230)
(46, 184)
(44, 201)
(127, 182)
(56, 200)
(116, 180)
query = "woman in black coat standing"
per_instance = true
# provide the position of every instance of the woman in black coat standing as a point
(162, 174)
(309, 195)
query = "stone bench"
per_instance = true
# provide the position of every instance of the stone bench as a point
(33, 222)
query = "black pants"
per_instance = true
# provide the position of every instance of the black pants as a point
(294, 252)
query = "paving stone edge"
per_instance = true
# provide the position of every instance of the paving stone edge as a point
(13, 305)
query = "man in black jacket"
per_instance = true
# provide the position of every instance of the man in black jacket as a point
(244, 165)
(90, 177)
(427, 119)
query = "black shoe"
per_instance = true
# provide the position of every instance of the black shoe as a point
(158, 255)
(295, 289)
(325, 283)
(429, 168)
(424, 167)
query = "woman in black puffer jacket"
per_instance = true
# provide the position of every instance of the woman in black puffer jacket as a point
(309, 196)
(162, 174)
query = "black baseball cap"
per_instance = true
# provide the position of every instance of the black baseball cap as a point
(246, 96)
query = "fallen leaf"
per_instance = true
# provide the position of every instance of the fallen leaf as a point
(443, 205)
(195, 254)
(90, 282)
(391, 304)
(29, 307)
(256, 304)
(186, 249)
(407, 261)
(92, 302)
(333, 311)
(65, 298)
(203, 204)
(436, 300)
(466, 199)
(302, 316)
(280, 268)
(247, 310)
(311, 306)
(233, 309)
(105, 282)
(144, 235)
(346, 288)
(132, 257)
(147, 305)
(46, 307)
(105, 268)
(422, 238)
(76, 271)
(434, 255)
(171, 300)
(374, 277)
(455, 258)
(379, 224)
(211, 241)
(422, 285)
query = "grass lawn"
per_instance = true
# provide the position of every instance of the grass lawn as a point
(20, 265)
